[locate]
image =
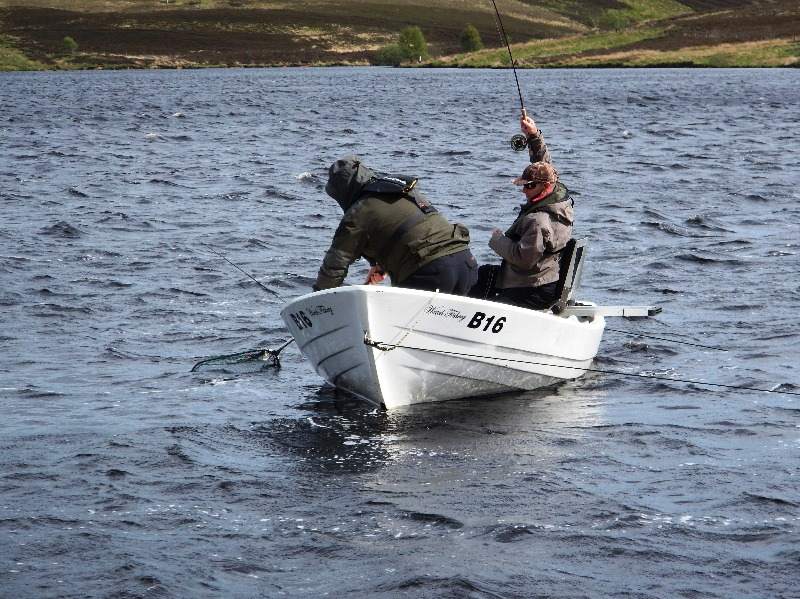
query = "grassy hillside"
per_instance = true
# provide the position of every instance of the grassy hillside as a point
(545, 33)
(733, 34)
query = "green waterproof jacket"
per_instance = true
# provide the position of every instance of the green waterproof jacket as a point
(387, 221)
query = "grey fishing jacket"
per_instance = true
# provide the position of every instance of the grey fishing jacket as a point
(530, 247)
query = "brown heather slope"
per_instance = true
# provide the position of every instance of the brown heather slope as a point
(736, 33)
(154, 33)
(716, 5)
(765, 21)
(347, 31)
(771, 27)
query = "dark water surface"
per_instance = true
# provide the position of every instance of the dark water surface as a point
(122, 474)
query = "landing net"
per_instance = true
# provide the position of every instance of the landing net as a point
(260, 357)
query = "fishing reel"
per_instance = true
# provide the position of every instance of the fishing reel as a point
(519, 142)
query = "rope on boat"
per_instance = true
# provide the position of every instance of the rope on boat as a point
(416, 318)
(383, 346)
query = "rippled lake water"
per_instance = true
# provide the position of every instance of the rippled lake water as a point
(122, 474)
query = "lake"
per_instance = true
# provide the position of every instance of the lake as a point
(123, 474)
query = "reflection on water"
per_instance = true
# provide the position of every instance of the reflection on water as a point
(341, 434)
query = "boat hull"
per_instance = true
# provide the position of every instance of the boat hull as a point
(396, 347)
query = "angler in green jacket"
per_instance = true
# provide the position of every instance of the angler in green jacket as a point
(388, 221)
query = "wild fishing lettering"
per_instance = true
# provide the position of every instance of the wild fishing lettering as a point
(446, 312)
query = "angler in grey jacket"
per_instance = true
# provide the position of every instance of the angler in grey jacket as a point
(530, 248)
(388, 221)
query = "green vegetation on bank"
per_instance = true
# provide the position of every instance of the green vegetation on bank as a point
(638, 11)
(607, 14)
(12, 59)
(471, 39)
(773, 53)
(70, 45)
(411, 47)
(537, 53)
(413, 44)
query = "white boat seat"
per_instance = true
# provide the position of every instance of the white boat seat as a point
(570, 270)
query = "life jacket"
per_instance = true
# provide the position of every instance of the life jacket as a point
(418, 233)
(544, 267)
(402, 186)
(555, 197)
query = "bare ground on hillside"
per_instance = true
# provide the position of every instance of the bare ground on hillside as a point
(348, 32)
(250, 36)
(769, 21)
(777, 20)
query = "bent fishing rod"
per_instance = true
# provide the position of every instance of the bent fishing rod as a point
(518, 142)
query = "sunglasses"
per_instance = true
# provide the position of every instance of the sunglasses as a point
(532, 184)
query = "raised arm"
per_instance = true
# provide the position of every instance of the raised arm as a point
(536, 146)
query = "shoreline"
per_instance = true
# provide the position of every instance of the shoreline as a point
(200, 67)
(44, 38)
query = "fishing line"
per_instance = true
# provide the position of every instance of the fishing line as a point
(250, 355)
(632, 334)
(510, 57)
(382, 346)
(518, 142)
(241, 270)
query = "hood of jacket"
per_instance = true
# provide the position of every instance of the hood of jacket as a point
(346, 180)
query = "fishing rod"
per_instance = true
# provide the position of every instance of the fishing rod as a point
(383, 346)
(518, 142)
(260, 353)
(241, 270)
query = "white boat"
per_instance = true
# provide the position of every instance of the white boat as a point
(395, 347)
